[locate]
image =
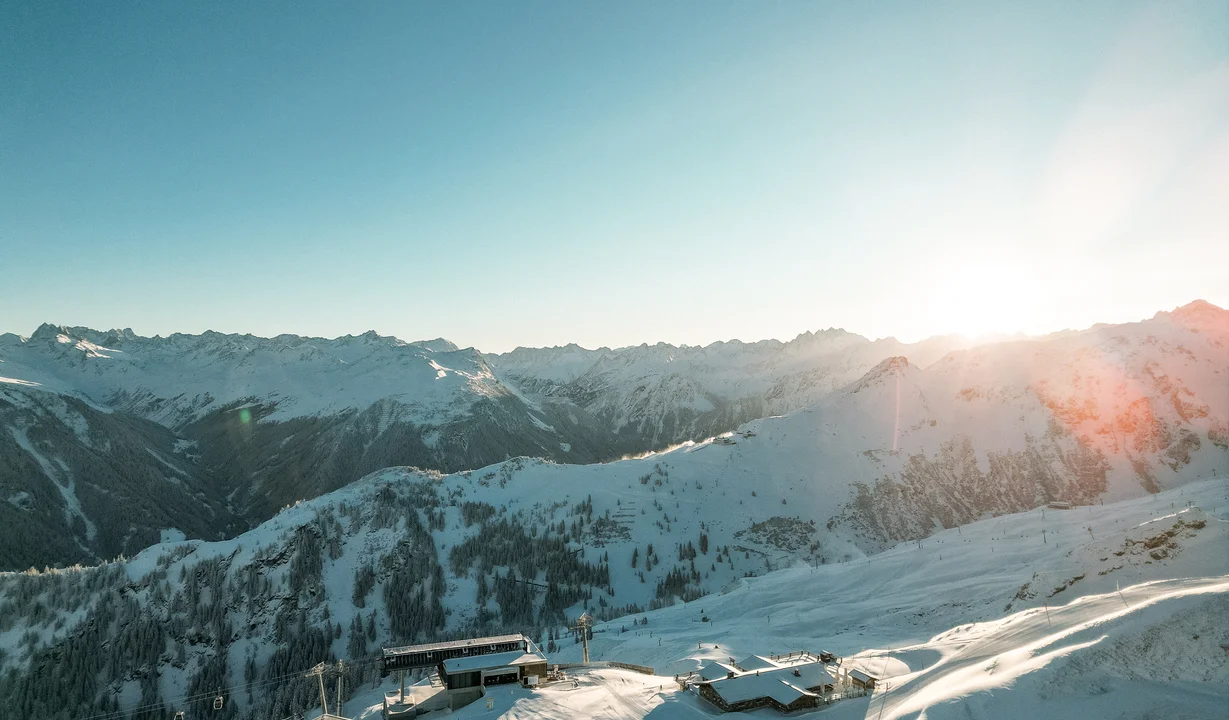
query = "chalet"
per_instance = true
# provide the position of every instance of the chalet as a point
(861, 679)
(462, 670)
(783, 683)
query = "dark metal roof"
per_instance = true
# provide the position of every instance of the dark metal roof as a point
(411, 656)
(468, 642)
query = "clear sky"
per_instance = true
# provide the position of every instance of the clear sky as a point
(610, 173)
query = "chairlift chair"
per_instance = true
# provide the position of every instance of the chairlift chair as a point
(218, 702)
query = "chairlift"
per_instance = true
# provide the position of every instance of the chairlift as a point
(178, 715)
(218, 702)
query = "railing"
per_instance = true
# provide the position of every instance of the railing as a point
(853, 692)
(642, 669)
(804, 654)
(685, 680)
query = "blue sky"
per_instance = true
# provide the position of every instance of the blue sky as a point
(537, 173)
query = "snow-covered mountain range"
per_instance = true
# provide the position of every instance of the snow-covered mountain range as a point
(1114, 414)
(209, 434)
(667, 394)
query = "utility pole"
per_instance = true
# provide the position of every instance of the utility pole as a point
(341, 669)
(887, 686)
(318, 673)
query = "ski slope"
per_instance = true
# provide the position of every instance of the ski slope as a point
(1134, 637)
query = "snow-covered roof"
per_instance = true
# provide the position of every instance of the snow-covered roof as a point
(756, 662)
(489, 662)
(861, 675)
(783, 684)
(714, 670)
(751, 686)
(809, 675)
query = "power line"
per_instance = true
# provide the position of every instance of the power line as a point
(231, 690)
(189, 699)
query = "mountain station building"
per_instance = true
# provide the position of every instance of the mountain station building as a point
(462, 670)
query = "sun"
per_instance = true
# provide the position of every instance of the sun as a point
(988, 294)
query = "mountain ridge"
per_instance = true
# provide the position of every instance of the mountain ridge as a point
(242, 426)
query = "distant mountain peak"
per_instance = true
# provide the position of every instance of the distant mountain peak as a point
(824, 341)
(894, 367)
(1197, 308)
(1198, 314)
(47, 331)
(833, 332)
(437, 345)
(898, 363)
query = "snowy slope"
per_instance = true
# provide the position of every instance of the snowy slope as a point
(671, 393)
(78, 484)
(957, 618)
(1102, 630)
(219, 431)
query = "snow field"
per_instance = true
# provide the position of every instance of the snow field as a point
(1139, 642)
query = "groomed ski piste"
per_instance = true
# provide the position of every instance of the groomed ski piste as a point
(1116, 611)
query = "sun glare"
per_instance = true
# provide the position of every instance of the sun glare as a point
(983, 295)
